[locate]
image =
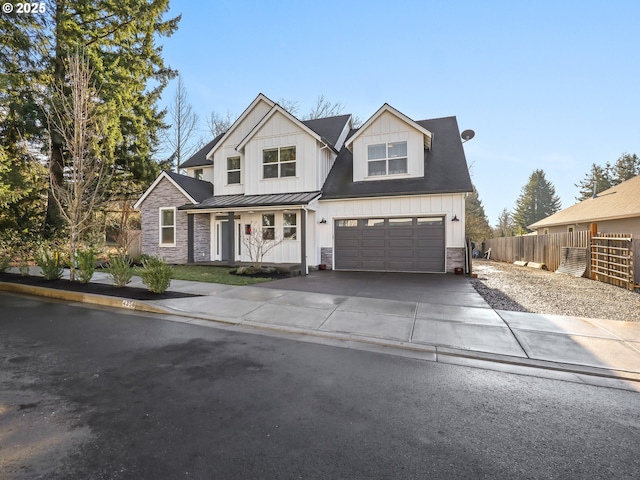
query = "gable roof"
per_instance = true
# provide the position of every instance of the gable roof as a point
(445, 169)
(258, 99)
(428, 136)
(329, 128)
(621, 201)
(193, 189)
(303, 125)
(199, 159)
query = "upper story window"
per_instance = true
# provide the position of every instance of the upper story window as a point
(198, 173)
(233, 170)
(167, 225)
(279, 162)
(387, 158)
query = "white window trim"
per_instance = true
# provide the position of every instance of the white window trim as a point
(386, 159)
(279, 163)
(160, 226)
(295, 215)
(239, 170)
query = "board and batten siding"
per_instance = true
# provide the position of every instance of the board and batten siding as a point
(389, 128)
(165, 195)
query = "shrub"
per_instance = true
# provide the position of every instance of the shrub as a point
(120, 270)
(156, 274)
(86, 260)
(49, 262)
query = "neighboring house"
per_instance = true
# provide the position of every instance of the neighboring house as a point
(616, 210)
(389, 196)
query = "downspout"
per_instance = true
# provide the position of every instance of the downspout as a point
(303, 241)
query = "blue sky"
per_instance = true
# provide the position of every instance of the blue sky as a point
(547, 84)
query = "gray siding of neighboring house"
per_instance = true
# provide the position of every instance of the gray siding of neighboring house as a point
(164, 195)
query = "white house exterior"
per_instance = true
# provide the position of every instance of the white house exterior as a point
(388, 196)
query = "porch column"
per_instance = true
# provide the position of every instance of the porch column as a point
(303, 242)
(190, 238)
(231, 239)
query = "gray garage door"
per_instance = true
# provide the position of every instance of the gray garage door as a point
(411, 244)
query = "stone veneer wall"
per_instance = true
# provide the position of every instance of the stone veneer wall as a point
(202, 233)
(164, 195)
(326, 257)
(455, 258)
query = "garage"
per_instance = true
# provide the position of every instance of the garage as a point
(407, 244)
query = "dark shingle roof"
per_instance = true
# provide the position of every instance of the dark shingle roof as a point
(445, 169)
(199, 190)
(199, 159)
(241, 200)
(328, 128)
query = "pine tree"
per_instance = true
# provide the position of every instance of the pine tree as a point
(626, 167)
(598, 178)
(538, 200)
(476, 224)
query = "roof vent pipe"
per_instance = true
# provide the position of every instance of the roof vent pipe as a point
(595, 189)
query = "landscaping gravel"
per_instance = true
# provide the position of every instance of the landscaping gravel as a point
(508, 287)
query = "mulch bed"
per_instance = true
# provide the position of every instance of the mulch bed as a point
(133, 293)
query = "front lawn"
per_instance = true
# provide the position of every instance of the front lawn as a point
(211, 274)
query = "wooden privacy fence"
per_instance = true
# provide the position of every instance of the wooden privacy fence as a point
(612, 259)
(611, 254)
(545, 249)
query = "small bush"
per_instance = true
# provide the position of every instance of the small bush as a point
(120, 270)
(86, 261)
(49, 262)
(5, 259)
(156, 274)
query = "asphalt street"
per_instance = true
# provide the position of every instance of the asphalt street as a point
(90, 393)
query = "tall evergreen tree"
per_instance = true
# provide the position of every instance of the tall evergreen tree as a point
(476, 224)
(598, 178)
(120, 40)
(626, 167)
(537, 200)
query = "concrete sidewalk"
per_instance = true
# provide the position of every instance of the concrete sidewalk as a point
(447, 322)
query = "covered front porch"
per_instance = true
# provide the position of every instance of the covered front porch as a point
(275, 230)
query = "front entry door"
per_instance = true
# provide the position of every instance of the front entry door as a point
(223, 240)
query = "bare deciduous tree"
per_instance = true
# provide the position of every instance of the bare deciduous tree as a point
(324, 108)
(259, 242)
(77, 115)
(180, 137)
(218, 123)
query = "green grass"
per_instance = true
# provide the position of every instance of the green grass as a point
(211, 274)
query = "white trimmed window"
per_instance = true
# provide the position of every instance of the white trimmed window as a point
(168, 227)
(387, 159)
(233, 170)
(198, 173)
(279, 162)
(289, 226)
(268, 226)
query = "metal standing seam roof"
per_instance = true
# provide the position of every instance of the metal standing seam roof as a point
(241, 200)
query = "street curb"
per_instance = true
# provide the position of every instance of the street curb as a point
(92, 298)
(439, 352)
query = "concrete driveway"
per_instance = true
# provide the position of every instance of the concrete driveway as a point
(434, 288)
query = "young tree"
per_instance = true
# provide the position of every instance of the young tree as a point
(476, 224)
(537, 200)
(505, 226)
(598, 178)
(77, 115)
(626, 167)
(180, 136)
(260, 241)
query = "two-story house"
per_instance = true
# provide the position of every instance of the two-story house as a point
(388, 196)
